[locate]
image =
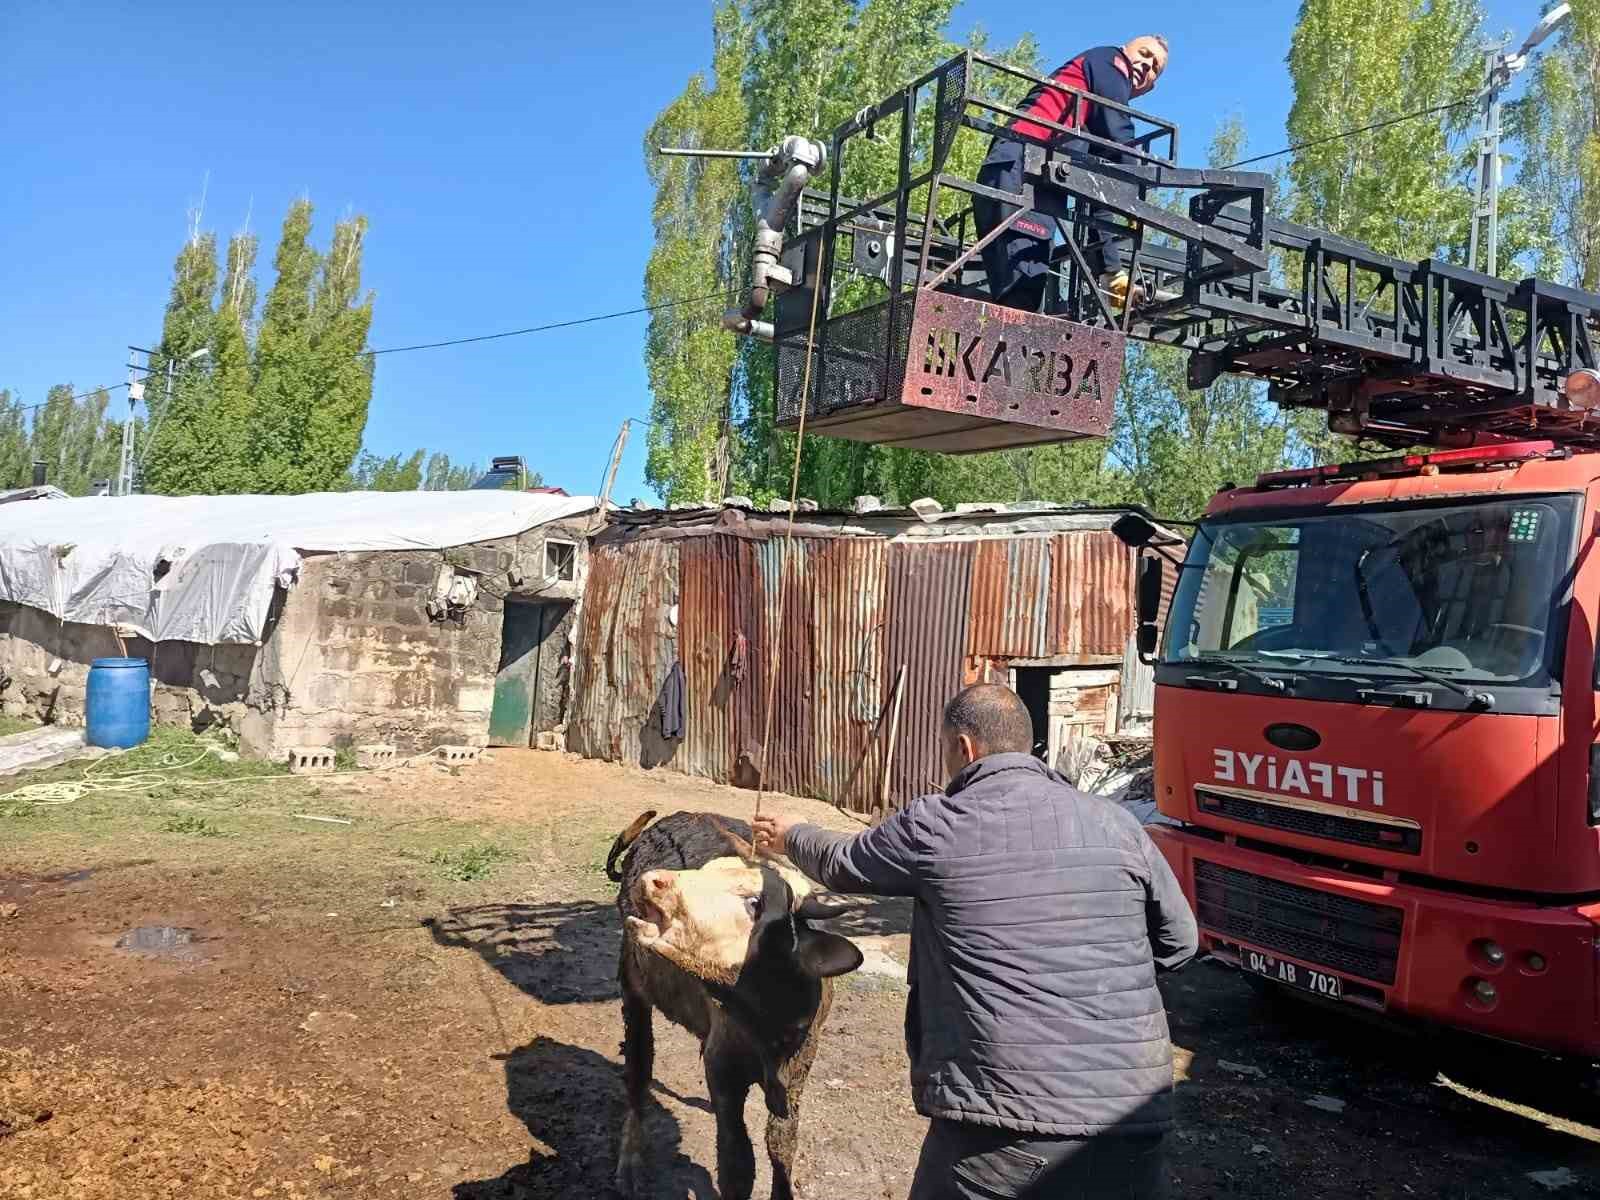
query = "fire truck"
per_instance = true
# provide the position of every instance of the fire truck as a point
(1376, 736)
(1377, 747)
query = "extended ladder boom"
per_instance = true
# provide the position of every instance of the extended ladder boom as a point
(910, 349)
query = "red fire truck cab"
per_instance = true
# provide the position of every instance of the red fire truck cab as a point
(1377, 741)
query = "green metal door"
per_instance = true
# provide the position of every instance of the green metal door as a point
(517, 683)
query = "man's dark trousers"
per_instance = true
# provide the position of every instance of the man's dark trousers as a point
(1018, 262)
(981, 1162)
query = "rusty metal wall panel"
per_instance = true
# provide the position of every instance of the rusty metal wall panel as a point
(1011, 598)
(626, 647)
(707, 632)
(841, 593)
(1091, 613)
(929, 605)
(587, 732)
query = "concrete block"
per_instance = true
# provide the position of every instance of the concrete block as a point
(376, 755)
(550, 739)
(310, 760)
(458, 756)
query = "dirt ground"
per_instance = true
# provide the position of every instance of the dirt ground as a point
(422, 1003)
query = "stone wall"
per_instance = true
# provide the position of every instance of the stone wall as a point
(352, 655)
(356, 658)
(44, 667)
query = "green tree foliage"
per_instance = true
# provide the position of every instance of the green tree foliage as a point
(444, 476)
(176, 445)
(278, 406)
(73, 437)
(689, 358)
(418, 470)
(341, 373)
(1558, 125)
(777, 68)
(1403, 190)
(15, 460)
(396, 473)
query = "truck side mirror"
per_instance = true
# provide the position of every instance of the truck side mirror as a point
(1148, 603)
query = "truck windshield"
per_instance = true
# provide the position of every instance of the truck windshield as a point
(1467, 590)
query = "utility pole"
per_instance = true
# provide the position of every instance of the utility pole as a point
(1498, 68)
(166, 407)
(135, 394)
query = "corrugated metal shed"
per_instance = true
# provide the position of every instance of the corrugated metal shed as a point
(857, 605)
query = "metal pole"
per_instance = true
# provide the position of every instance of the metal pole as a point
(1492, 165)
(1480, 191)
(125, 467)
(689, 152)
(611, 474)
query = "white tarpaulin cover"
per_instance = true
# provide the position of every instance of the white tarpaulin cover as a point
(96, 560)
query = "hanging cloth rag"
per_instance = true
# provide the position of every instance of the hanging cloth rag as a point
(671, 703)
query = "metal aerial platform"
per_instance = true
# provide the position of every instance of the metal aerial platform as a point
(911, 350)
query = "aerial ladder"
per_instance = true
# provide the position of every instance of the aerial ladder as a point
(884, 330)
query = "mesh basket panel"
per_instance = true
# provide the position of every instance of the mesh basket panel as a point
(860, 359)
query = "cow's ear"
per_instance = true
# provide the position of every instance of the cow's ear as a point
(824, 955)
(815, 906)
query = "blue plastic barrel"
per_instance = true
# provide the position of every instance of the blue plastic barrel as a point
(119, 702)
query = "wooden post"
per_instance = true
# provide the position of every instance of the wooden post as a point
(888, 750)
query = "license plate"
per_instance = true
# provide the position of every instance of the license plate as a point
(1307, 979)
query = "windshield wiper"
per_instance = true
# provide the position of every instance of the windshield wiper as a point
(1232, 662)
(1473, 696)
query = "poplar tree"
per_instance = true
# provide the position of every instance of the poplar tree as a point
(341, 374)
(284, 389)
(1403, 190)
(15, 461)
(170, 456)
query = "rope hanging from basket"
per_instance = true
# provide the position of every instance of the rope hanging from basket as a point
(783, 559)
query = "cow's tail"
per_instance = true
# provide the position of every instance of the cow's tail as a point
(623, 840)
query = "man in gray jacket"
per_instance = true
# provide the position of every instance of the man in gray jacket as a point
(1037, 1038)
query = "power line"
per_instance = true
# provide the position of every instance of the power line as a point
(1334, 137)
(109, 387)
(482, 337)
(610, 316)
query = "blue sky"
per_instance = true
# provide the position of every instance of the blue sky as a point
(495, 148)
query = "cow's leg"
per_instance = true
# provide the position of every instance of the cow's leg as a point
(728, 1079)
(638, 1057)
(784, 1132)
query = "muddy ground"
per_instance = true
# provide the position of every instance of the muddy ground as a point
(422, 1003)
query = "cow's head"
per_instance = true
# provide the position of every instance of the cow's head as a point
(744, 929)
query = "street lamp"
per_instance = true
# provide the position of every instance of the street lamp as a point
(1498, 68)
(136, 394)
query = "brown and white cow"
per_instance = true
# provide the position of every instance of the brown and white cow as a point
(723, 945)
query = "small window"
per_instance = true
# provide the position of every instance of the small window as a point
(560, 560)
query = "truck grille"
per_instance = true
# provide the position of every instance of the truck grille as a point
(1397, 838)
(1331, 931)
